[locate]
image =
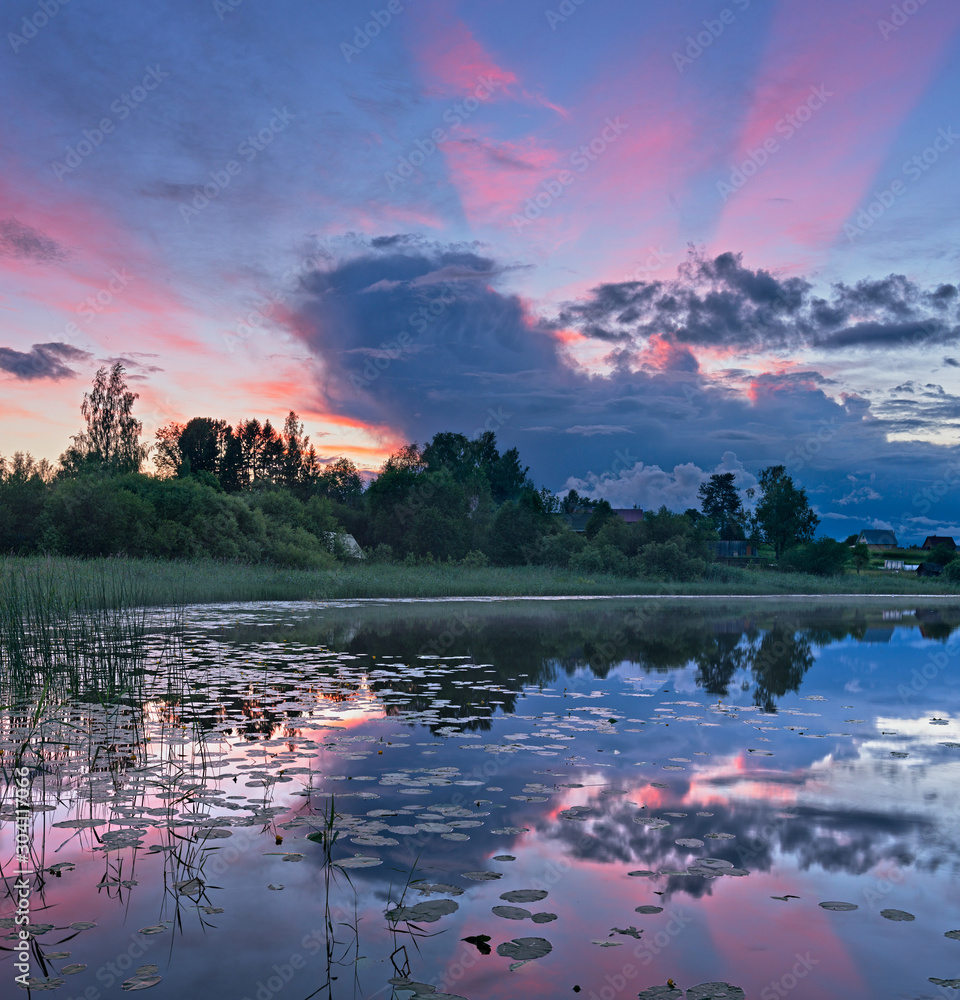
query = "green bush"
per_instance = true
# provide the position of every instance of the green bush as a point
(824, 557)
(951, 572)
(672, 560)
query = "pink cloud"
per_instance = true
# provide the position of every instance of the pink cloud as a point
(829, 99)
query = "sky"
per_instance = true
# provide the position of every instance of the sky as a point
(642, 242)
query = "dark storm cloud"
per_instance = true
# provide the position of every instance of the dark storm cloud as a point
(721, 303)
(420, 338)
(23, 242)
(41, 361)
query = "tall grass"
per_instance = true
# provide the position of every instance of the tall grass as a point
(58, 589)
(70, 630)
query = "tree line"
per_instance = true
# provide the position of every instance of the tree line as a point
(257, 493)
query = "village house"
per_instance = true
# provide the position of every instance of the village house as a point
(938, 541)
(877, 539)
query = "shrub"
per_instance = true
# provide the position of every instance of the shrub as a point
(824, 557)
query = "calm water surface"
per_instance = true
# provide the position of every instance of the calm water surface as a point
(601, 796)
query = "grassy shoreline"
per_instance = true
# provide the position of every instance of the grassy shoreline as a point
(98, 583)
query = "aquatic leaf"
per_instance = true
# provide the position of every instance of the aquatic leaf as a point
(897, 915)
(641, 873)
(715, 991)
(481, 876)
(139, 983)
(952, 983)
(606, 943)
(512, 912)
(689, 842)
(147, 970)
(427, 912)
(430, 888)
(358, 861)
(72, 970)
(834, 905)
(482, 942)
(661, 993)
(189, 887)
(720, 836)
(630, 931)
(717, 863)
(504, 857)
(277, 887)
(82, 925)
(649, 909)
(524, 895)
(953, 934)
(44, 984)
(525, 949)
(155, 929)
(543, 918)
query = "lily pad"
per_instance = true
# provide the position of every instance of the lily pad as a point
(72, 970)
(481, 941)
(139, 982)
(427, 912)
(953, 934)
(630, 931)
(82, 925)
(45, 983)
(189, 887)
(649, 909)
(433, 888)
(525, 949)
(831, 904)
(543, 918)
(661, 993)
(512, 912)
(897, 915)
(641, 873)
(689, 842)
(481, 876)
(952, 983)
(715, 991)
(524, 895)
(154, 929)
(358, 862)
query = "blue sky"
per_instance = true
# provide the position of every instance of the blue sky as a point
(642, 242)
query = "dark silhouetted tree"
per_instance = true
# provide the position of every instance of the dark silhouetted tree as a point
(720, 501)
(783, 515)
(111, 442)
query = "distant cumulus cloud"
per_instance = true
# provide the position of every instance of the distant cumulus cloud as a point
(23, 242)
(719, 303)
(650, 487)
(41, 361)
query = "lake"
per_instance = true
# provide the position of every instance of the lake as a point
(497, 799)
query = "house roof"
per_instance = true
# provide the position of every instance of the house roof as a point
(932, 541)
(878, 536)
(629, 514)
